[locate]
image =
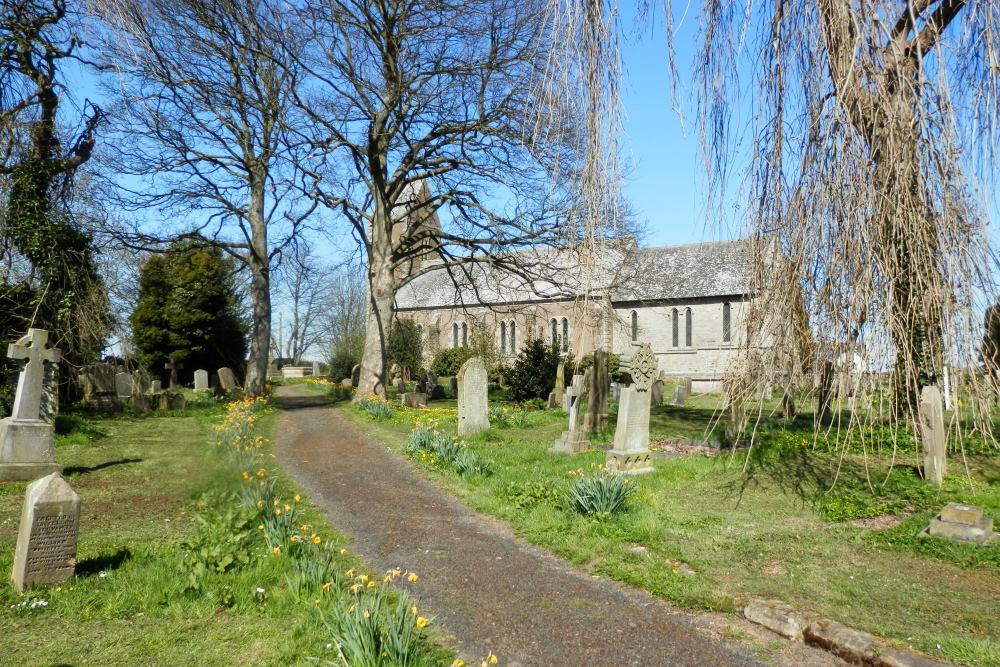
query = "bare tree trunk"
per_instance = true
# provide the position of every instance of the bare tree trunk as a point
(381, 294)
(260, 293)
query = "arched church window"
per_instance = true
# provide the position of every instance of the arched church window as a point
(675, 338)
(555, 332)
(727, 330)
(513, 337)
(687, 327)
(635, 327)
(565, 335)
(454, 334)
(465, 334)
(503, 337)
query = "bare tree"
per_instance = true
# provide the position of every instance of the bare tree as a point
(304, 292)
(344, 319)
(422, 118)
(203, 105)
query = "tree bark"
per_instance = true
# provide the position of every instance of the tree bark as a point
(381, 295)
(260, 292)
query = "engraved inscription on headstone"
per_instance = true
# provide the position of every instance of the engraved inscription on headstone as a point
(46, 540)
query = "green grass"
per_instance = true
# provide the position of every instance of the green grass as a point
(755, 527)
(142, 481)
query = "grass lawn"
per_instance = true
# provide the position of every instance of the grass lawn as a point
(713, 533)
(147, 483)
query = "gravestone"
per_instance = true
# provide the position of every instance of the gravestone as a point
(98, 381)
(932, 435)
(46, 538)
(156, 387)
(316, 370)
(656, 393)
(201, 380)
(356, 375)
(227, 381)
(400, 386)
(559, 393)
(616, 391)
(574, 439)
(680, 395)
(48, 409)
(630, 453)
(123, 385)
(597, 394)
(414, 399)
(172, 400)
(140, 403)
(173, 366)
(686, 383)
(346, 383)
(26, 441)
(964, 523)
(473, 392)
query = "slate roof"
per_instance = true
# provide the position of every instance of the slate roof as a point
(627, 273)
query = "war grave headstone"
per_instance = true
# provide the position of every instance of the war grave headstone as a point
(630, 453)
(201, 380)
(963, 523)
(173, 366)
(227, 381)
(599, 384)
(473, 397)
(46, 538)
(574, 439)
(123, 385)
(26, 441)
(933, 438)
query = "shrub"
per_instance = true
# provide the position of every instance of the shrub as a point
(600, 494)
(404, 347)
(533, 374)
(447, 361)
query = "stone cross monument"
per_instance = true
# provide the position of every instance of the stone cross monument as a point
(574, 439)
(630, 453)
(173, 366)
(26, 450)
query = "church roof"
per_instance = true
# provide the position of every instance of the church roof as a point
(626, 273)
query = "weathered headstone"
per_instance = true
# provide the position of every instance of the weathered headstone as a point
(473, 391)
(680, 395)
(616, 391)
(574, 439)
(316, 371)
(346, 383)
(656, 393)
(48, 409)
(599, 384)
(140, 403)
(356, 375)
(46, 538)
(172, 400)
(964, 523)
(559, 392)
(630, 453)
(227, 381)
(201, 380)
(414, 399)
(686, 383)
(400, 386)
(26, 441)
(123, 385)
(932, 435)
(156, 387)
(173, 366)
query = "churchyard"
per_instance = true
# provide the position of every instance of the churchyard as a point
(795, 517)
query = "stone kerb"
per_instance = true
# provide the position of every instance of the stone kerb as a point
(473, 397)
(26, 441)
(630, 453)
(46, 539)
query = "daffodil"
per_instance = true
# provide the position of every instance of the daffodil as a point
(421, 622)
(412, 578)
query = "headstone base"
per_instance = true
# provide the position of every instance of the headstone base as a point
(629, 463)
(414, 399)
(964, 523)
(570, 443)
(26, 450)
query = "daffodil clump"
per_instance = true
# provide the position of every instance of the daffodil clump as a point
(376, 407)
(430, 445)
(502, 416)
(600, 493)
(237, 434)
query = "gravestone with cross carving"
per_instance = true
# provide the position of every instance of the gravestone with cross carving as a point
(26, 450)
(173, 366)
(630, 453)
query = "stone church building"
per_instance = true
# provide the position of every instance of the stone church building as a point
(688, 301)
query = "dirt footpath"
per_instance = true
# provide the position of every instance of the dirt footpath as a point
(487, 589)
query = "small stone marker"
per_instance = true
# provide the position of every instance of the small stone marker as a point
(46, 539)
(964, 523)
(574, 439)
(616, 391)
(356, 375)
(172, 400)
(123, 385)
(173, 366)
(932, 435)
(156, 387)
(201, 380)
(473, 401)
(26, 441)
(414, 399)
(630, 453)
(559, 392)
(316, 369)
(656, 393)
(680, 395)
(227, 381)
(346, 383)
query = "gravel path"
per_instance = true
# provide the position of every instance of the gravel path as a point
(487, 589)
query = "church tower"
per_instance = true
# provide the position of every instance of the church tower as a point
(415, 228)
